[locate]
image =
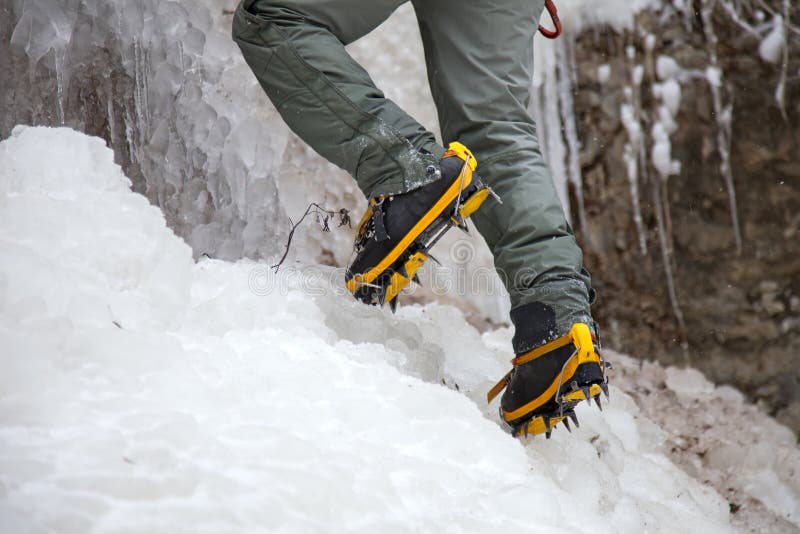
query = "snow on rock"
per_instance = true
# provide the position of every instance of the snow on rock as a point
(140, 391)
(579, 14)
(771, 47)
(603, 73)
(715, 435)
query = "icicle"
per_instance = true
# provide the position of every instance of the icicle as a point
(549, 120)
(112, 126)
(59, 65)
(630, 113)
(723, 115)
(140, 91)
(565, 56)
(669, 273)
(780, 89)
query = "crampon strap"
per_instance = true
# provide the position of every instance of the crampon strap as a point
(579, 335)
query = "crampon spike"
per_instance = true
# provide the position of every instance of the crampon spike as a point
(415, 279)
(566, 425)
(604, 387)
(393, 304)
(431, 256)
(597, 401)
(574, 419)
(587, 395)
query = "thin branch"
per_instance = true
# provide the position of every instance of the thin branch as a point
(317, 210)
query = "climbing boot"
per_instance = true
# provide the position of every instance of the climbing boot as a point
(395, 235)
(548, 381)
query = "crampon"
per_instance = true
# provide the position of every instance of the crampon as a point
(547, 383)
(396, 233)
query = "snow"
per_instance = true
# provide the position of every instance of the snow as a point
(667, 67)
(579, 14)
(603, 73)
(143, 391)
(771, 47)
(668, 91)
(720, 438)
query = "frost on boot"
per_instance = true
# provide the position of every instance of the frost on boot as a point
(549, 380)
(396, 233)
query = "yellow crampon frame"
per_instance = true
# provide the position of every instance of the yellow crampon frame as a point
(404, 273)
(585, 352)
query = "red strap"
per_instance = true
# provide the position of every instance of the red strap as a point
(551, 9)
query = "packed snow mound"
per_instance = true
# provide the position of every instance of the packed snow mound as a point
(143, 392)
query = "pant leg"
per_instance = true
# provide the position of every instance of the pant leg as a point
(296, 50)
(480, 61)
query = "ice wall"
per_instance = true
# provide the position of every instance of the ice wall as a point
(164, 83)
(187, 120)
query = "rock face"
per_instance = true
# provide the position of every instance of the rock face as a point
(736, 305)
(668, 114)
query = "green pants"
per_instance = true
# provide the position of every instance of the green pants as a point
(479, 56)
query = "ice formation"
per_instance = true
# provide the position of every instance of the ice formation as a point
(637, 164)
(634, 153)
(142, 391)
(771, 47)
(723, 112)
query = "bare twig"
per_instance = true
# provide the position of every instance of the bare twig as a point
(322, 215)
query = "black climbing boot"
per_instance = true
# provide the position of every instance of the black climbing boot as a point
(396, 232)
(548, 381)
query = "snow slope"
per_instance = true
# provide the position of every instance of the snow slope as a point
(143, 392)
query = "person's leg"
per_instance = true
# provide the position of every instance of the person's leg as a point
(480, 55)
(296, 50)
(480, 60)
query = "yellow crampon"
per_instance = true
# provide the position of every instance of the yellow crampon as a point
(402, 277)
(394, 272)
(566, 393)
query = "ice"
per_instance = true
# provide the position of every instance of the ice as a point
(661, 153)
(603, 73)
(565, 58)
(687, 382)
(771, 47)
(174, 83)
(633, 156)
(670, 93)
(667, 67)
(723, 111)
(619, 14)
(143, 392)
(636, 165)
